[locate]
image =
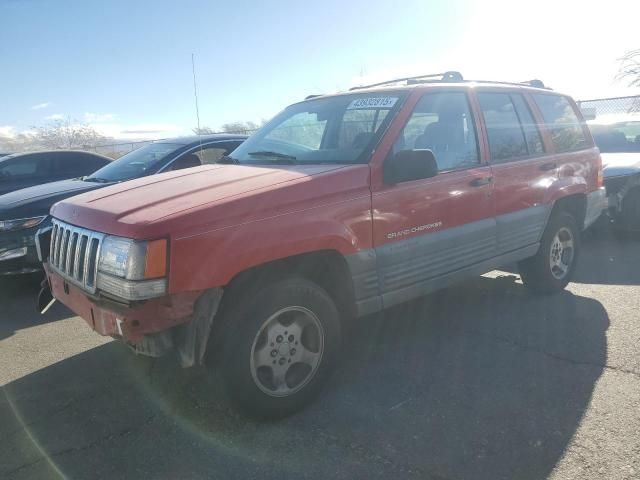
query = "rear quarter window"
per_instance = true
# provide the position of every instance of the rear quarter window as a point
(564, 125)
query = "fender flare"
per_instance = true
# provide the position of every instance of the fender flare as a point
(565, 187)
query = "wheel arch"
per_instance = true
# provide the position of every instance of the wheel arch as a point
(574, 204)
(326, 268)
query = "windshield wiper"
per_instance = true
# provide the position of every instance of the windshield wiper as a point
(96, 180)
(280, 156)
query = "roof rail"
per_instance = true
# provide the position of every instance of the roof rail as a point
(312, 96)
(451, 76)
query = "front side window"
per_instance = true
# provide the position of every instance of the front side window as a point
(72, 164)
(341, 129)
(442, 123)
(135, 164)
(211, 154)
(562, 121)
(617, 137)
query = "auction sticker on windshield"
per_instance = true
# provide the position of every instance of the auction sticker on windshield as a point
(373, 102)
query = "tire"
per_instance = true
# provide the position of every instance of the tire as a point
(559, 248)
(281, 344)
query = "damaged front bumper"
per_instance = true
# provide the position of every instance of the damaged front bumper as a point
(179, 322)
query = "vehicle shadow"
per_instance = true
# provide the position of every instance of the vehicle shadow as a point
(606, 258)
(18, 299)
(481, 381)
(609, 258)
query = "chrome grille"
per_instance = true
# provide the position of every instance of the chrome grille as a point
(75, 253)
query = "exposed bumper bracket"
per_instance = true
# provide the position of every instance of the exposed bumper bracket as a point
(192, 337)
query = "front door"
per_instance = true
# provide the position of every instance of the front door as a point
(425, 230)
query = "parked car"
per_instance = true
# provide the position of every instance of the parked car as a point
(341, 205)
(22, 170)
(619, 141)
(24, 211)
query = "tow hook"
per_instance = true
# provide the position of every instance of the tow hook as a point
(45, 297)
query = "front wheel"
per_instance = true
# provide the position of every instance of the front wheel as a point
(551, 268)
(280, 347)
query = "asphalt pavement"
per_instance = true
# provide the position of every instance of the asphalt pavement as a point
(479, 381)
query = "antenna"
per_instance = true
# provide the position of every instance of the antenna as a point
(195, 96)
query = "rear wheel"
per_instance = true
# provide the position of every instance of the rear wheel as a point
(280, 347)
(551, 268)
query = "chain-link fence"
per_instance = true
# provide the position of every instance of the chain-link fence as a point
(610, 106)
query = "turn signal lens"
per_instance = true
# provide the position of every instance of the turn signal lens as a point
(156, 260)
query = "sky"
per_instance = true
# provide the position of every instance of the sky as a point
(124, 67)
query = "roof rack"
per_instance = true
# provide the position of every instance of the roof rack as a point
(535, 83)
(450, 76)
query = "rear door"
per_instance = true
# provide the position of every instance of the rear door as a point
(24, 171)
(522, 170)
(575, 158)
(426, 229)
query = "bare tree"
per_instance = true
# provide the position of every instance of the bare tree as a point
(630, 68)
(67, 134)
(231, 127)
(203, 130)
(240, 127)
(15, 143)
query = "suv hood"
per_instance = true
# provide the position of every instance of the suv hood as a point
(134, 208)
(620, 164)
(37, 200)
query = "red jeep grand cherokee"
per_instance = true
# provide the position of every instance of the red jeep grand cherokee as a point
(342, 205)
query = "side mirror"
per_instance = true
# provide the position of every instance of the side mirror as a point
(407, 165)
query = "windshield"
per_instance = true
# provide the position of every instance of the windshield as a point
(618, 137)
(135, 164)
(339, 129)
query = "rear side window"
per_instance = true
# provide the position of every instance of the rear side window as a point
(25, 166)
(563, 123)
(505, 134)
(528, 124)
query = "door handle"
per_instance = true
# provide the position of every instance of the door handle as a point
(478, 182)
(545, 167)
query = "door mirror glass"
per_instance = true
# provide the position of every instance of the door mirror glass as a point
(407, 165)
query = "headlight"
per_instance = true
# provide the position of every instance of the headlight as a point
(20, 223)
(132, 269)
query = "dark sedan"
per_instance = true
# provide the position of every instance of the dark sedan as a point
(22, 170)
(23, 212)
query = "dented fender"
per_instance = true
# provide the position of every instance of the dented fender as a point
(565, 187)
